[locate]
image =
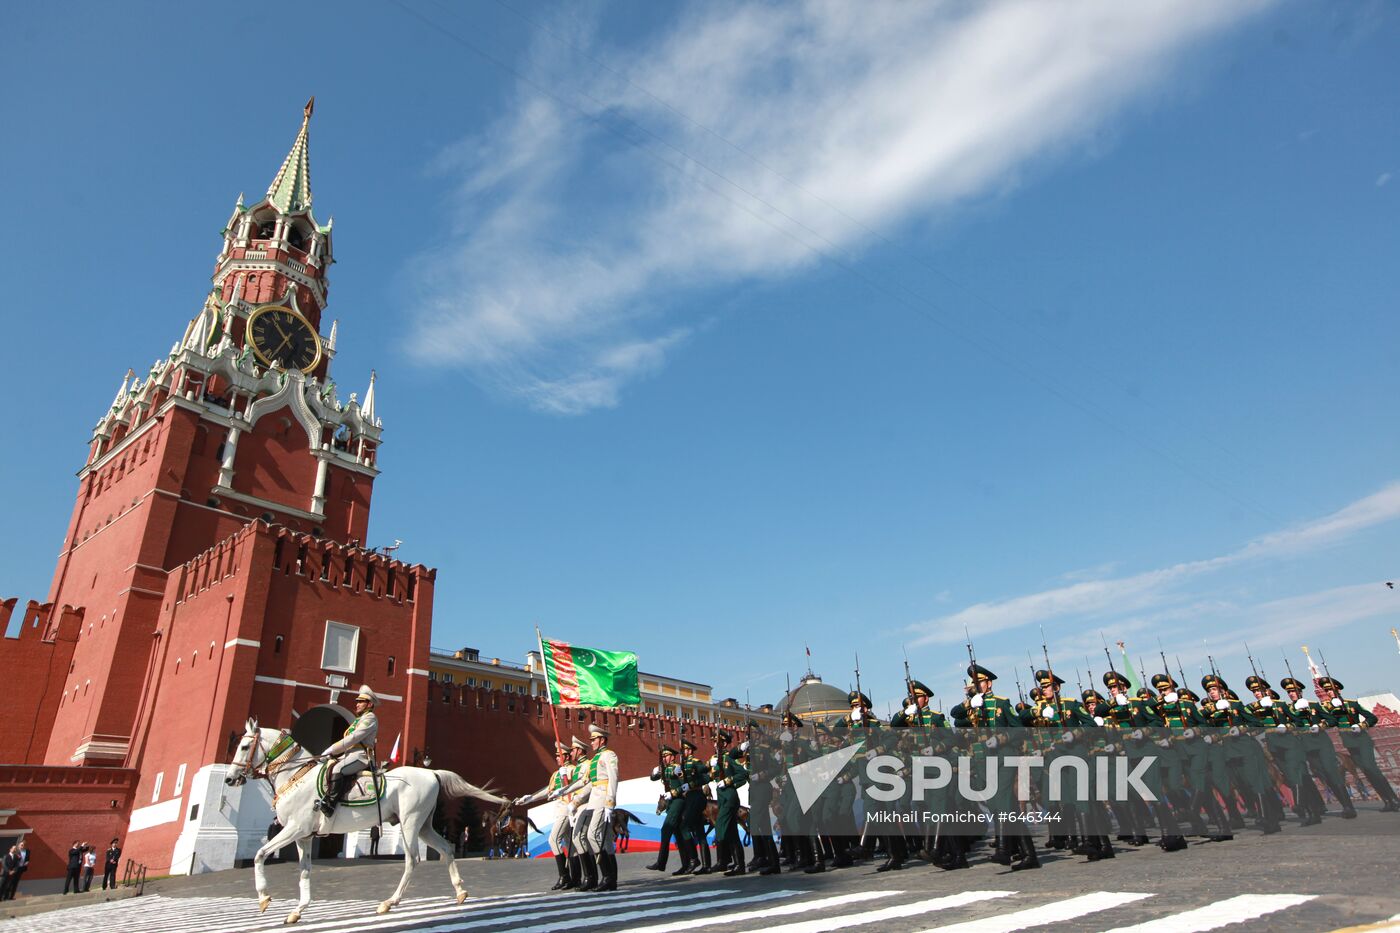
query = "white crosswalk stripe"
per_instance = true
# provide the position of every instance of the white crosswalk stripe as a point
(649, 909)
(1054, 912)
(886, 914)
(782, 910)
(1222, 914)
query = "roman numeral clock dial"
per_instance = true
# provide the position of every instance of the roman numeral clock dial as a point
(280, 335)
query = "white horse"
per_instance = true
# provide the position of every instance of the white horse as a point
(410, 795)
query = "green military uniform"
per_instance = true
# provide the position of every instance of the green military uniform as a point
(1353, 720)
(762, 770)
(695, 775)
(672, 777)
(1177, 708)
(1285, 748)
(1127, 716)
(1061, 722)
(730, 775)
(1311, 721)
(1241, 754)
(997, 718)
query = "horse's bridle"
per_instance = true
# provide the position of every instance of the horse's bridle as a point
(284, 744)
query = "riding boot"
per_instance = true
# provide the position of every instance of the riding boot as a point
(687, 853)
(894, 844)
(1028, 856)
(721, 856)
(562, 863)
(772, 861)
(760, 854)
(811, 864)
(1002, 854)
(575, 872)
(590, 872)
(738, 867)
(608, 866)
(702, 866)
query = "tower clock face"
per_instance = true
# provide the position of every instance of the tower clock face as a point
(280, 335)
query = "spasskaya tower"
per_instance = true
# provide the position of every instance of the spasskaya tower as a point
(239, 424)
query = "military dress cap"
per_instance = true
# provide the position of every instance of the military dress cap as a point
(1091, 694)
(367, 694)
(978, 672)
(1255, 682)
(579, 744)
(667, 750)
(687, 745)
(723, 736)
(1162, 680)
(1330, 683)
(1145, 694)
(1115, 679)
(1213, 680)
(1044, 678)
(1291, 683)
(790, 717)
(755, 724)
(1188, 694)
(596, 731)
(855, 696)
(919, 689)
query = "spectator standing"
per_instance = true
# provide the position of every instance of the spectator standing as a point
(8, 866)
(9, 892)
(75, 865)
(110, 863)
(89, 866)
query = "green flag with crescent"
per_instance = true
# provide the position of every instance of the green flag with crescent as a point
(588, 676)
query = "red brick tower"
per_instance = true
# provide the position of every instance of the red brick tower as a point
(239, 422)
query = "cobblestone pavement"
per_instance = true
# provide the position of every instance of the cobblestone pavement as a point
(1300, 880)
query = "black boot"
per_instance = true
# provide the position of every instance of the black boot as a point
(811, 865)
(1028, 856)
(703, 865)
(590, 872)
(575, 873)
(687, 851)
(562, 863)
(607, 865)
(894, 844)
(736, 853)
(328, 803)
(774, 863)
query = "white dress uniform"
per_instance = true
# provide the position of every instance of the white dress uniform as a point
(561, 778)
(352, 753)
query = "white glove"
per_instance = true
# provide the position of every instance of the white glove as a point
(870, 755)
(685, 788)
(912, 709)
(1210, 740)
(1188, 734)
(1302, 703)
(857, 714)
(992, 742)
(1280, 728)
(607, 814)
(744, 747)
(1121, 699)
(1266, 701)
(1336, 703)
(1171, 697)
(786, 736)
(676, 770)
(1222, 705)
(976, 699)
(656, 772)
(1356, 728)
(1098, 720)
(714, 762)
(1137, 733)
(928, 749)
(1049, 712)
(1109, 747)
(1315, 729)
(1067, 736)
(1234, 730)
(1164, 743)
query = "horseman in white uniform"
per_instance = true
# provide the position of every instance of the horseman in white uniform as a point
(559, 833)
(352, 754)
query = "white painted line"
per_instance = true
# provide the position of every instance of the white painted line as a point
(1221, 914)
(614, 921)
(1054, 912)
(885, 914)
(782, 910)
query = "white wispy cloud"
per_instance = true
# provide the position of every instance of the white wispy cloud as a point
(738, 145)
(1159, 593)
(1383, 179)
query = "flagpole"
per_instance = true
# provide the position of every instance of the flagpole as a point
(539, 640)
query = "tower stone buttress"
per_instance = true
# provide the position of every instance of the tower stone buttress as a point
(240, 422)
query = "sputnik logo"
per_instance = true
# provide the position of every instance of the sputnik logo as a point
(810, 778)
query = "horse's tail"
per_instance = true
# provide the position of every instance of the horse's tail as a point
(634, 817)
(455, 787)
(532, 825)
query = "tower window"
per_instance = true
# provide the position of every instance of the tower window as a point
(391, 666)
(277, 645)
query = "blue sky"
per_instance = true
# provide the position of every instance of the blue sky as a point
(712, 331)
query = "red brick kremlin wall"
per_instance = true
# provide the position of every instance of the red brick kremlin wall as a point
(34, 664)
(508, 739)
(63, 805)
